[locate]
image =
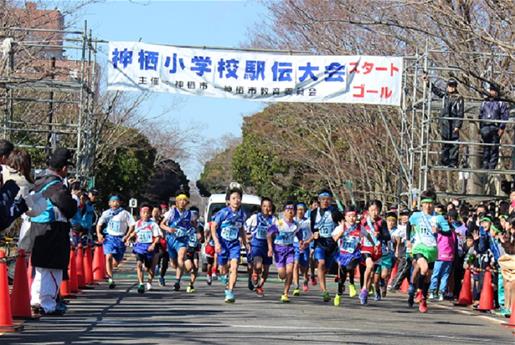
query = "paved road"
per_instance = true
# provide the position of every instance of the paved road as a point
(121, 316)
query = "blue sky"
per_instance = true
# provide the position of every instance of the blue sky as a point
(202, 23)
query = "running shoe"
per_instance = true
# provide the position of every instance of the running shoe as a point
(313, 281)
(209, 280)
(260, 292)
(377, 296)
(148, 286)
(325, 296)
(141, 288)
(177, 286)
(162, 281)
(305, 286)
(285, 299)
(223, 279)
(190, 289)
(352, 290)
(432, 296)
(418, 296)
(337, 300)
(422, 307)
(250, 285)
(296, 292)
(363, 296)
(440, 297)
(229, 296)
(111, 283)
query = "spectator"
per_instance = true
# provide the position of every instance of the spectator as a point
(492, 108)
(451, 119)
(18, 168)
(5, 149)
(51, 252)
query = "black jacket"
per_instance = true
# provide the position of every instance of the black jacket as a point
(52, 249)
(453, 106)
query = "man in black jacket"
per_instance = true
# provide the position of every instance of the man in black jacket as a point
(492, 108)
(451, 119)
(51, 252)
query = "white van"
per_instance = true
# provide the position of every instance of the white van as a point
(249, 203)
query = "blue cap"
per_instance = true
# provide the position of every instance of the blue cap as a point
(114, 198)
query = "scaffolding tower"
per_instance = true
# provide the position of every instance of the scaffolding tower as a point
(49, 87)
(420, 141)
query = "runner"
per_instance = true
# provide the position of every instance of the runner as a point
(178, 226)
(280, 244)
(323, 221)
(348, 235)
(383, 268)
(161, 258)
(312, 262)
(209, 251)
(115, 223)
(147, 235)
(301, 265)
(196, 238)
(420, 235)
(256, 228)
(226, 231)
(371, 251)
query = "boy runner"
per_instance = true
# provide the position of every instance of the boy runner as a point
(226, 231)
(118, 223)
(301, 265)
(420, 235)
(194, 244)
(323, 221)
(178, 226)
(256, 228)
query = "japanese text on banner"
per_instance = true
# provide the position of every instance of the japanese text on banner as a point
(266, 77)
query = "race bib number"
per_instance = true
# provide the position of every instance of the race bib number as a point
(230, 233)
(145, 236)
(426, 237)
(285, 238)
(325, 231)
(350, 245)
(115, 226)
(261, 232)
(193, 241)
(181, 232)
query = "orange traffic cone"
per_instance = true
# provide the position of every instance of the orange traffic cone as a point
(88, 272)
(20, 296)
(486, 301)
(6, 317)
(465, 297)
(72, 272)
(65, 289)
(404, 286)
(394, 273)
(79, 262)
(29, 273)
(98, 264)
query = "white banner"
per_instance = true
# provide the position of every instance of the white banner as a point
(266, 77)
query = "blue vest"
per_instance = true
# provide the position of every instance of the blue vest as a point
(47, 216)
